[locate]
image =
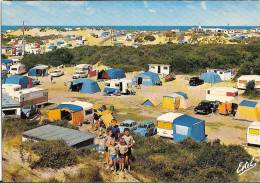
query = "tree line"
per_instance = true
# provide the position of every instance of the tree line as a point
(184, 58)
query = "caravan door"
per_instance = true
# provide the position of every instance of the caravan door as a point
(139, 80)
(159, 69)
(121, 86)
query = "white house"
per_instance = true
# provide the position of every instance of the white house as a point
(161, 69)
(223, 74)
(244, 79)
(222, 94)
(253, 133)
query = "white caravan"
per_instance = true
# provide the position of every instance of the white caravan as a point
(17, 69)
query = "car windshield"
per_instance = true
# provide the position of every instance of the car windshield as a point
(204, 104)
(126, 124)
(143, 126)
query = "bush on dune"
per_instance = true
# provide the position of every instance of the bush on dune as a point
(184, 58)
(188, 160)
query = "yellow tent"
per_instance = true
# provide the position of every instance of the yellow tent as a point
(175, 101)
(71, 113)
(248, 110)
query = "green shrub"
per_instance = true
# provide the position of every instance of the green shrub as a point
(188, 160)
(52, 154)
(250, 91)
(149, 38)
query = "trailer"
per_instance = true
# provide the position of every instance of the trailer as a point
(118, 86)
(221, 94)
(243, 80)
(17, 69)
(253, 134)
(31, 96)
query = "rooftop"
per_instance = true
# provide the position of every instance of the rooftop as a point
(7, 101)
(52, 132)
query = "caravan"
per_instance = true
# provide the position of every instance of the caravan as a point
(165, 124)
(30, 96)
(243, 80)
(17, 69)
(82, 70)
(221, 94)
(122, 86)
(253, 133)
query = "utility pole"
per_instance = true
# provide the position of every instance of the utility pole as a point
(23, 42)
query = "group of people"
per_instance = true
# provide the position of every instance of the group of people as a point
(118, 148)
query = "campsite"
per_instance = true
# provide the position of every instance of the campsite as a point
(95, 92)
(174, 96)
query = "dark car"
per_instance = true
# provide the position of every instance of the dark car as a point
(195, 81)
(206, 107)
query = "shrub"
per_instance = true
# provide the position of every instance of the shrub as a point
(52, 154)
(149, 38)
(250, 91)
(188, 160)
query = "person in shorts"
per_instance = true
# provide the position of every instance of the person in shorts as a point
(112, 152)
(122, 150)
(129, 142)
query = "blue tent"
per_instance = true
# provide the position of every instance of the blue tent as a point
(148, 103)
(116, 73)
(183, 94)
(7, 63)
(71, 107)
(147, 79)
(39, 70)
(18, 79)
(83, 85)
(186, 126)
(210, 77)
(110, 90)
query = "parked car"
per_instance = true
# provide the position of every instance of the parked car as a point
(35, 82)
(29, 112)
(195, 81)
(146, 129)
(131, 124)
(206, 107)
(57, 73)
(80, 74)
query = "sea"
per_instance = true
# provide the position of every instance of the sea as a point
(132, 28)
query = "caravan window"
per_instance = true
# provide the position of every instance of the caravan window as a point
(253, 131)
(14, 69)
(182, 130)
(165, 68)
(107, 84)
(9, 112)
(117, 85)
(152, 67)
(208, 91)
(88, 112)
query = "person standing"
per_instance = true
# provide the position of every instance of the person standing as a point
(51, 79)
(129, 142)
(115, 129)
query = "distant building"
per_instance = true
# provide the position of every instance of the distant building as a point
(162, 69)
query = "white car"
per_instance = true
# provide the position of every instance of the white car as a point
(57, 73)
(80, 74)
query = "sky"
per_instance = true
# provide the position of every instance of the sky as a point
(132, 13)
